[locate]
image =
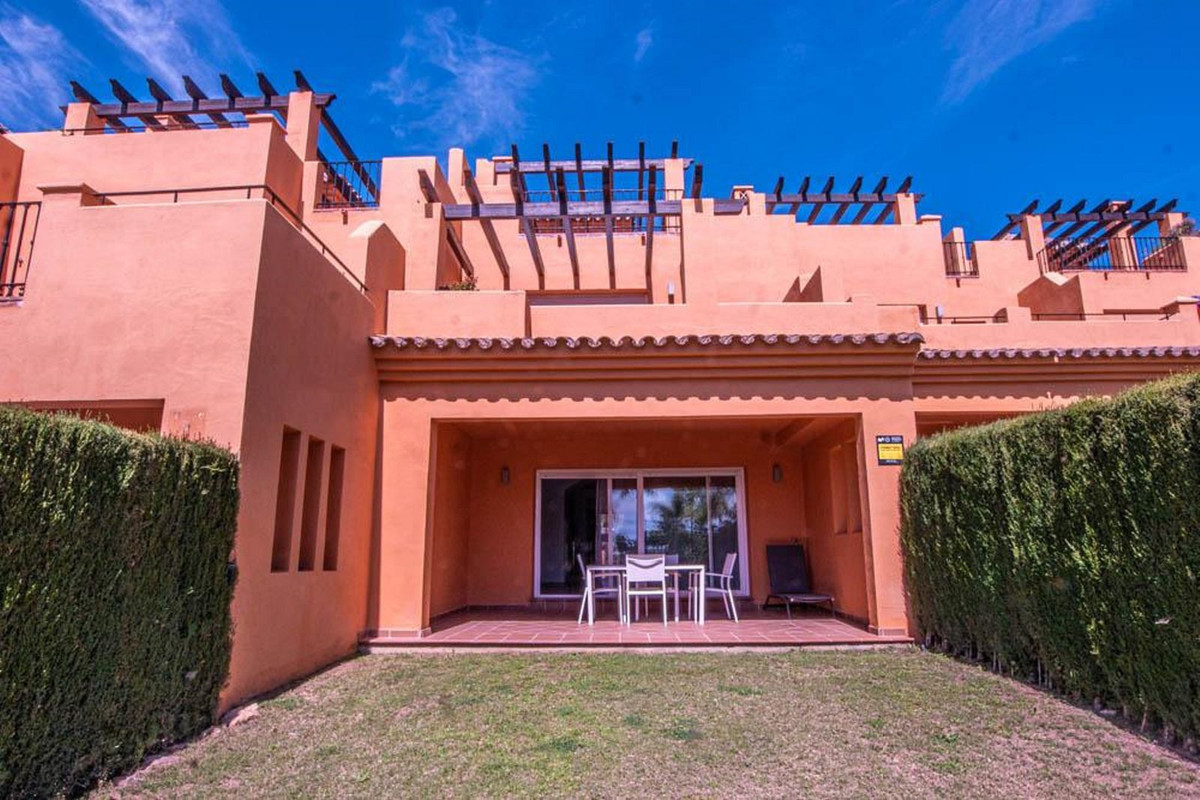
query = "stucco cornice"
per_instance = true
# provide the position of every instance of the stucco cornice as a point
(644, 342)
(1012, 353)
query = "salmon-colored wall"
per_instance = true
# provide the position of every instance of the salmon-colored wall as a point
(449, 574)
(95, 324)
(10, 168)
(156, 160)
(836, 555)
(307, 370)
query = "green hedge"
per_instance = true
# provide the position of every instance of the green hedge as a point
(1065, 547)
(114, 596)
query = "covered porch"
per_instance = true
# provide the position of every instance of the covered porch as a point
(533, 627)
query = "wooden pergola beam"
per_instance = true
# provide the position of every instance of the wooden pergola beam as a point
(606, 205)
(586, 165)
(575, 209)
(460, 252)
(489, 230)
(568, 230)
(650, 220)
(819, 204)
(534, 250)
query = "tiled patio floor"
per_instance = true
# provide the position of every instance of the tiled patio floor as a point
(527, 628)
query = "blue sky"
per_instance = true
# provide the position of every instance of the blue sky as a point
(987, 103)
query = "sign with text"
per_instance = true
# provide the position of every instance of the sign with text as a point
(890, 449)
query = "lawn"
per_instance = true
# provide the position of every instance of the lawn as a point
(833, 723)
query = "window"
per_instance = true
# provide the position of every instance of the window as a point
(333, 506)
(313, 468)
(600, 517)
(285, 500)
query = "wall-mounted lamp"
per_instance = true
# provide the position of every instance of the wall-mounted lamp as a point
(670, 291)
(777, 473)
(505, 476)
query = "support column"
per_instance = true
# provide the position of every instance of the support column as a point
(1033, 234)
(879, 488)
(400, 599)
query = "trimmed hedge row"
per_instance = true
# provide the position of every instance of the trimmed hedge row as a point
(1065, 547)
(114, 596)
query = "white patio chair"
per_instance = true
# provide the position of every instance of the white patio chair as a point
(686, 589)
(722, 584)
(645, 576)
(606, 586)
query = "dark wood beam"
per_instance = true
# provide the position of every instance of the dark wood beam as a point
(641, 166)
(301, 82)
(126, 97)
(264, 85)
(650, 220)
(427, 187)
(568, 230)
(201, 104)
(869, 204)
(489, 230)
(82, 95)
(606, 177)
(579, 170)
(161, 96)
(816, 209)
(697, 181)
(578, 208)
(1014, 221)
(549, 172)
(587, 165)
(845, 205)
(460, 252)
(534, 251)
(227, 86)
(674, 148)
(794, 208)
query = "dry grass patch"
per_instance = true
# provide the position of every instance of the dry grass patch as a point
(818, 724)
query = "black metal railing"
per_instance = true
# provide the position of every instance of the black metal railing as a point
(244, 192)
(1114, 254)
(587, 226)
(1145, 315)
(350, 184)
(960, 260)
(18, 230)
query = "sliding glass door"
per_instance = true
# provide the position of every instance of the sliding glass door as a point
(601, 517)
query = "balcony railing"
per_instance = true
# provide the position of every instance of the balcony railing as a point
(18, 229)
(960, 260)
(350, 184)
(584, 226)
(1114, 254)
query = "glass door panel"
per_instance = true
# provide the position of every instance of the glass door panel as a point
(571, 511)
(623, 520)
(723, 519)
(675, 509)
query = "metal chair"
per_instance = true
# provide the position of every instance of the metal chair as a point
(723, 581)
(788, 570)
(645, 576)
(605, 587)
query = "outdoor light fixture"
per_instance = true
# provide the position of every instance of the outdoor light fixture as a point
(505, 476)
(777, 473)
(670, 291)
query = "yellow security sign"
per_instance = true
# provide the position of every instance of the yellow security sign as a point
(890, 449)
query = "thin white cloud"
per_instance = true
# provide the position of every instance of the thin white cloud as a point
(644, 40)
(35, 65)
(456, 87)
(172, 38)
(986, 35)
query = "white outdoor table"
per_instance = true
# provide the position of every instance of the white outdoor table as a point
(674, 569)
